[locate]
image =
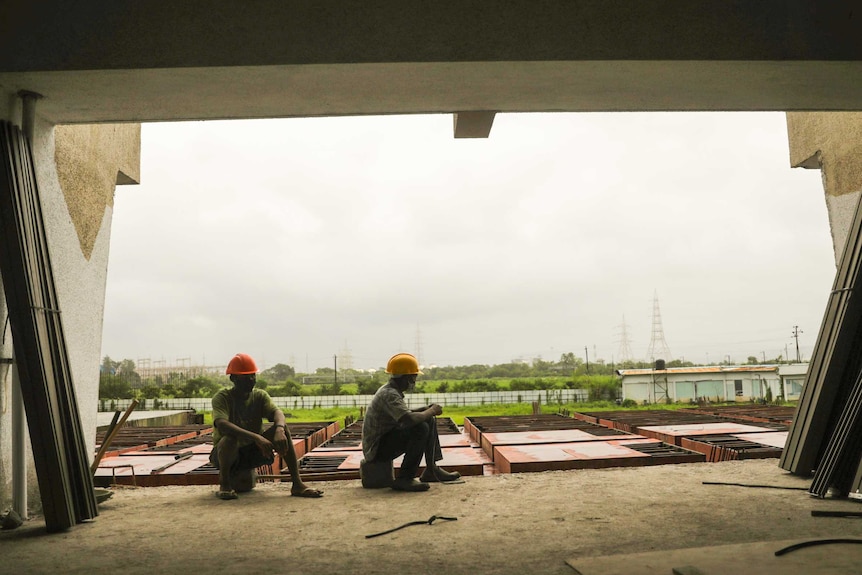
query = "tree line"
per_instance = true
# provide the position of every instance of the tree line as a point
(122, 380)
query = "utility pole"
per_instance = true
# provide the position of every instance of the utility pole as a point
(335, 367)
(796, 332)
(587, 355)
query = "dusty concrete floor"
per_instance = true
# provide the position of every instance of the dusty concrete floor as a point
(507, 524)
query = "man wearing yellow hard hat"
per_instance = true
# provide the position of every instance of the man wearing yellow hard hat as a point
(390, 428)
(240, 444)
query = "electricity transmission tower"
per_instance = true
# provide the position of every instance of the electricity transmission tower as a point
(418, 345)
(346, 358)
(625, 352)
(658, 348)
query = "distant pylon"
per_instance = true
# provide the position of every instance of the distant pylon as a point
(625, 353)
(658, 348)
(346, 357)
(418, 345)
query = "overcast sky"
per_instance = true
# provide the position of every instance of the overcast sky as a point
(298, 240)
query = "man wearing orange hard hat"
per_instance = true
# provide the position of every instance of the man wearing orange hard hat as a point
(390, 428)
(240, 444)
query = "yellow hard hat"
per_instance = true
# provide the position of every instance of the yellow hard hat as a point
(403, 364)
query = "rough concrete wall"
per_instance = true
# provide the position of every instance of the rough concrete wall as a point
(832, 142)
(81, 167)
(77, 168)
(90, 161)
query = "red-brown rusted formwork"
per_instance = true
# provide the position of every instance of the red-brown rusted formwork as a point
(328, 465)
(313, 433)
(632, 421)
(190, 465)
(595, 433)
(718, 448)
(154, 435)
(130, 439)
(155, 470)
(590, 455)
(148, 470)
(476, 426)
(674, 433)
(350, 438)
(781, 414)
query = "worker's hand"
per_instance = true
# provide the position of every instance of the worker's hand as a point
(280, 439)
(264, 444)
(435, 409)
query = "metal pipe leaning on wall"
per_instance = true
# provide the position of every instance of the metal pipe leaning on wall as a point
(19, 423)
(59, 449)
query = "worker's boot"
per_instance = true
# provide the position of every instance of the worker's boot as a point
(434, 474)
(409, 485)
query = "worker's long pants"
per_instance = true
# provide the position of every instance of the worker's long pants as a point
(413, 442)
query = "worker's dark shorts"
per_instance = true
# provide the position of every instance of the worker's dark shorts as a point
(249, 457)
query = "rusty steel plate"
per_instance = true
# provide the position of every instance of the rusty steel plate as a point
(735, 446)
(590, 455)
(144, 471)
(475, 427)
(771, 438)
(757, 413)
(492, 440)
(673, 433)
(467, 461)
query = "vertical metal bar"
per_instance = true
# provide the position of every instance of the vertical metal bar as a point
(59, 448)
(19, 431)
(833, 365)
(28, 113)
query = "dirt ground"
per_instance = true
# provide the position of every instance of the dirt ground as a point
(507, 524)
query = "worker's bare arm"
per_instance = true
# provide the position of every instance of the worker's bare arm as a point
(280, 434)
(412, 418)
(225, 427)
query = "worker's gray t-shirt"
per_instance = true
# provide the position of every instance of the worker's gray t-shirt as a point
(386, 408)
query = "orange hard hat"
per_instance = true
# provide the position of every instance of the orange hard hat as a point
(403, 364)
(241, 364)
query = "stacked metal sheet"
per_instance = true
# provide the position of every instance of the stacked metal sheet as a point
(675, 433)
(59, 447)
(476, 426)
(630, 421)
(730, 447)
(590, 455)
(782, 414)
(552, 442)
(826, 435)
(140, 438)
